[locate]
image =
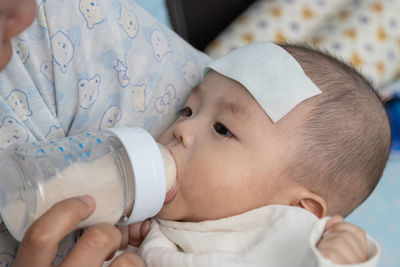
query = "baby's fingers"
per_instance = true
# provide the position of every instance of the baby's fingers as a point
(138, 231)
(333, 221)
(344, 243)
(352, 233)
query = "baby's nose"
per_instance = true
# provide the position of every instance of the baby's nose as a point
(185, 132)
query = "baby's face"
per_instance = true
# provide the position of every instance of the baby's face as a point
(229, 155)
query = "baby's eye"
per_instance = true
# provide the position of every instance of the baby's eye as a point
(222, 130)
(185, 112)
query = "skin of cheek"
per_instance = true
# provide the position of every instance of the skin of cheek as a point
(5, 47)
(15, 18)
(205, 193)
(6, 54)
(219, 190)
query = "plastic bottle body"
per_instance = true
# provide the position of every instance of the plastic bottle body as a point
(38, 175)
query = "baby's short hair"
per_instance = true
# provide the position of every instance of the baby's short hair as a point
(345, 141)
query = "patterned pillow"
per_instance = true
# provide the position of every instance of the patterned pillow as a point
(364, 32)
(275, 20)
(367, 33)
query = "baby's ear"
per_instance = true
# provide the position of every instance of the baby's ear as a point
(314, 204)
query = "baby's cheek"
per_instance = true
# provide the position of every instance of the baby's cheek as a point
(211, 202)
(166, 138)
(5, 54)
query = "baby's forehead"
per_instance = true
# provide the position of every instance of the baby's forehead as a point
(272, 76)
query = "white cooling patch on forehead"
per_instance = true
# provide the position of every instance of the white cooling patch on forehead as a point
(274, 78)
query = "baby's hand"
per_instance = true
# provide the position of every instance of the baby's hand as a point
(343, 243)
(134, 234)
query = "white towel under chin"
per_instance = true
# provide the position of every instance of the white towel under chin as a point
(275, 235)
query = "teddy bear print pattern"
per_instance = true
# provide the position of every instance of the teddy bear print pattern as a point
(364, 32)
(86, 65)
(91, 11)
(91, 64)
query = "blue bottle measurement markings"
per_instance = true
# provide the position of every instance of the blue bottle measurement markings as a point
(78, 150)
(72, 148)
(75, 151)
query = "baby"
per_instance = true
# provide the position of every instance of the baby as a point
(238, 156)
(253, 186)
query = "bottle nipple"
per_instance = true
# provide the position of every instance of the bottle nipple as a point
(170, 167)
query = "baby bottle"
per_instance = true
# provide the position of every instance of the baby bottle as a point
(124, 169)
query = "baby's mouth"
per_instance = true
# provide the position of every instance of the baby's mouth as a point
(171, 193)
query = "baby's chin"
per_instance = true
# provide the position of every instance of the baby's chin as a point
(175, 212)
(168, 212)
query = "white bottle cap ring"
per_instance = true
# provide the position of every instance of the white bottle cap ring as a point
(148, 170)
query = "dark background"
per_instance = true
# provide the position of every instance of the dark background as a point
(199, 21)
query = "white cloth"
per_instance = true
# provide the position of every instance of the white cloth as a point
(263, 69)
(275, 235)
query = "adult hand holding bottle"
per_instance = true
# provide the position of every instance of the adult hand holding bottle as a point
(96, 245)
(39, 245)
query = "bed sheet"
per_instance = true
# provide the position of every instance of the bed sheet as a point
(379, 215)
(157, 8)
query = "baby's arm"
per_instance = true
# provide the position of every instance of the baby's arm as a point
(343, 243)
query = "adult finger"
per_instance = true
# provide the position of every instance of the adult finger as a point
(127, 259)
(39, 245)
(124, 236)
(94, 247)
